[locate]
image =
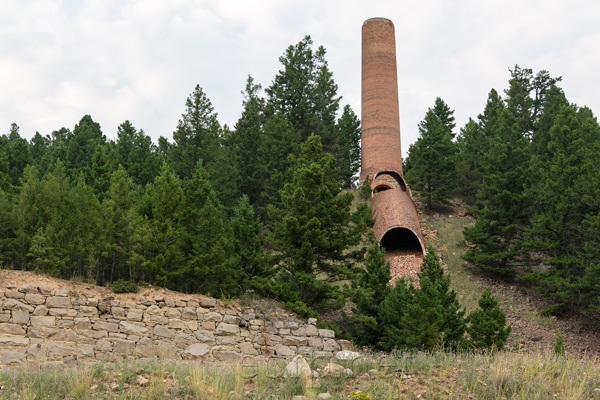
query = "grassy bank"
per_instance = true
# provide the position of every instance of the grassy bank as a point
(436, 375)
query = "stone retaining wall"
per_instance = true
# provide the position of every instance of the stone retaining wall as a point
(41, 326)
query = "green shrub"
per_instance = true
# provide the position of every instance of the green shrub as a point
(487, 325)
(123, 286)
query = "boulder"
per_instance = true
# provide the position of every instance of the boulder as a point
(298, 367)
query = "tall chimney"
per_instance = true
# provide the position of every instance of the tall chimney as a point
(396, 220)
(381, 148)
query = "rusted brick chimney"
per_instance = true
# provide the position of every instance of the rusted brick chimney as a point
(396, 222)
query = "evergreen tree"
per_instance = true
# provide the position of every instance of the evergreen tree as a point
(392, 311)
(209, 240)
(197, 136)
(434, 316)
(18, 155)
(100, 172)
(117, 210)
(487, 325)
(370, 290)
(246, 142)
(503, 209)
(312, 231)
(430, 162)
(279, 142)
(136, 152)
(166, 229)
(81, 145)
(248, 243)
(348, 153)
(304, 91)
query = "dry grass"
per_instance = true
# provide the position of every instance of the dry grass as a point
(437, 375)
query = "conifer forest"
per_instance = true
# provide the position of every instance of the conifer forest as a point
(266, 207)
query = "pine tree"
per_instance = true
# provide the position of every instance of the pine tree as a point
(487, 325)
(197, 136)
(370, 290)
(246, 142)
(167, 231)
(348, 152)
(430, 162)
(248, 243)
(212, 261)
(434, 316)
(312, 231)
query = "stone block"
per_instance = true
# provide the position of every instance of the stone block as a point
(205, 336)
(213, 316)
(20, 317)
(227, 356)
(28, 289)
(8, 357)
(65, 323)
(177, 324)
(5, 316)
(59, 312)
(82, 323)
(34, 298)
(16, 305)
(88, 311)
(195, 351)
(295, 341)
(189, 313)
(103, 345)
(282, 350)
(135, 315)
(100, 325)
(58, 302)
(311, 330)
(230, 319)
(315, 342)
(191, 325)
(346, 345)
(56, 351)
(144, 348)
(208, 325)
(173, 313)
(247, 348)
(331, 345)
(60, 292)
(118, 312)
(207, 302)
(162, 331)
(155, 319)
(12, 329)
(40, 311)
(44, 290)
(326, 333)
(227, 329)
(37, 352)
(85, 351)
(13, 341)
(133, 329)
(14, 295)
(121, 346)
(166, 350)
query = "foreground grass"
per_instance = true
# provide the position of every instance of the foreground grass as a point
(435, 375)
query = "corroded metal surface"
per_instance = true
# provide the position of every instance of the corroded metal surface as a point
(396, 220)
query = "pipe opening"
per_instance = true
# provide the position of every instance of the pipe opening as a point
(392, 178)
(381, 188)
(401, 239)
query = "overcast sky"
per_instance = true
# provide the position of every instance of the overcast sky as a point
(139, 60)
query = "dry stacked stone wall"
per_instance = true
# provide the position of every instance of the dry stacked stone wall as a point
(40, 326)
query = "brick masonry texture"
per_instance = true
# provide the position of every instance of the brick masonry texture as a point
(380, 137)
(53, 328)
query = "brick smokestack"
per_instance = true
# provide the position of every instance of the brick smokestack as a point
(396, 220)
(381, 148)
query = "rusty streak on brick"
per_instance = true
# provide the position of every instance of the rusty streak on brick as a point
(396, 221)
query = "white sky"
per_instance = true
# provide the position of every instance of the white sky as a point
(139, 60)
